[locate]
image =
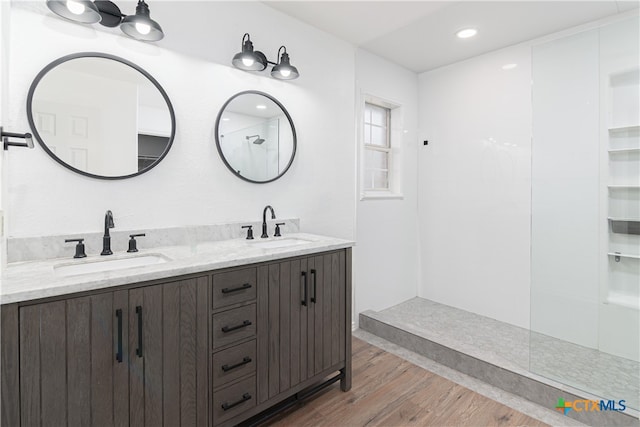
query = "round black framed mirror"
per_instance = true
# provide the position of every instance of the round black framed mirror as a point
(255, 137)
(101, 116)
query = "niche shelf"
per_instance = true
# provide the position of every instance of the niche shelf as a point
(622, 180)
(623, 255)
(625, 128)
(624, 150)
(625, 225)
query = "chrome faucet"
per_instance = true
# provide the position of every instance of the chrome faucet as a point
(264, 220)
(106, 239)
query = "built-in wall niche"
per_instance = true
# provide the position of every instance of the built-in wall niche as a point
(624, 111)
(623, 132)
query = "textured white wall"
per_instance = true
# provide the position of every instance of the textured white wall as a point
(475, 185)
(191, 185)
(386, 268)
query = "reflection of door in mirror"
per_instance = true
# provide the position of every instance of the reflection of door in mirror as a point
(101, 115)
(91, 129)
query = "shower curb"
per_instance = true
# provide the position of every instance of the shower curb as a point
(536, 391)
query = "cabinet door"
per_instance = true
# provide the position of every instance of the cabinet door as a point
(168, 342)
(301, 321)
(70, 372)
(329, 288)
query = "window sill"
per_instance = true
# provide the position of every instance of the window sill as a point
(381, 195)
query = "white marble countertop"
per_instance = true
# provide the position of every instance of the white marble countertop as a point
(25, 281)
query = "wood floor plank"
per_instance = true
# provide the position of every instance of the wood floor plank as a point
(389, 391)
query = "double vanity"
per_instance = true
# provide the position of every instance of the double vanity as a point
(209, 333)
(215, 328)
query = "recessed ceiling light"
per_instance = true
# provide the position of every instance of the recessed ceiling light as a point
(261, 107)
(466, 33)
(509, 66)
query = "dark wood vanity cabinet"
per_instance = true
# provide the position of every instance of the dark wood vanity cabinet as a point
(129, 357)
(211, 350)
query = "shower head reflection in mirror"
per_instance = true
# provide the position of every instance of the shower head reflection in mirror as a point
(255, 137)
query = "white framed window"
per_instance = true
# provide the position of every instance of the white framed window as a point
(377, 148)
(381, 138)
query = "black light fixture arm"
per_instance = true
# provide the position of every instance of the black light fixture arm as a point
(278, 55)
(28, 138)
(245, 38)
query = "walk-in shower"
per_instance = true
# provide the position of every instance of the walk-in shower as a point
(585, 242)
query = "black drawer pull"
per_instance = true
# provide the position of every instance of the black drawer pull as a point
(119, 353)
(245, 360)
(233, 328)
(239, 288)
(245, 397)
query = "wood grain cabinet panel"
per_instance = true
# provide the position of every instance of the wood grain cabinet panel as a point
(302, 321)
(134, 357)
(233, 287)
(233, 325)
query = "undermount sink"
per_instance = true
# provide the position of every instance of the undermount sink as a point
(279, 242)
(103, 265)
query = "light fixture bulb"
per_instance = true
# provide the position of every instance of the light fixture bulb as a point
(466, 33)
(143, 28)
(75, 7)
(285, 72)
(248, 61)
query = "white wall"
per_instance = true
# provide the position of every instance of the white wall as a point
(386, 268)
(192, 185)
(4, 102)
(474, 185)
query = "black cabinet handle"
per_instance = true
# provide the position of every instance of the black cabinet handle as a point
(239, 288)
(119, 353)
(305, 287)
(244, 398)
(233, 328)
(245, 360)
(315, 285)
(139, 313)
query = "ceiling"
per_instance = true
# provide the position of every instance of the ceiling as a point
(420, 35)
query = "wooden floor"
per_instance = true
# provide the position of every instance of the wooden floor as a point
(389, 391)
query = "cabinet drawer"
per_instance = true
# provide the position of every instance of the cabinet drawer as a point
(233, 325)
(234, 362)
(234, 287)
(234, 400)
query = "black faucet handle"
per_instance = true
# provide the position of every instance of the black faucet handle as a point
(133, 247)
(277, 232)
(249, 231)
(79, 247)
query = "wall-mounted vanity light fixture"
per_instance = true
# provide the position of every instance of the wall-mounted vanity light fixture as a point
(28, 139)
(254, 60)
(139, 26)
